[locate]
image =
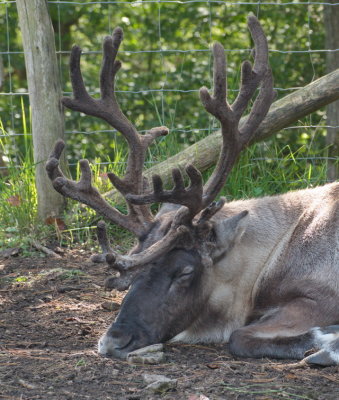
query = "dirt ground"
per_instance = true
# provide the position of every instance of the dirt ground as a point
(54, 310)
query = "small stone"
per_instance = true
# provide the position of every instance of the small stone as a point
(151, 378)
(10, 252)
(159, 383)
(110, 305)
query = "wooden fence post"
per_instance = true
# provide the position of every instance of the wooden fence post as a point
(44, 95)
(331, 20)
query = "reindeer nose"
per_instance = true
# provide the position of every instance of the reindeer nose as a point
(121, 337)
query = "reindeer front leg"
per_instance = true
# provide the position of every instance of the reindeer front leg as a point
(280, 333)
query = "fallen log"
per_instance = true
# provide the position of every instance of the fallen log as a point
(283, 113)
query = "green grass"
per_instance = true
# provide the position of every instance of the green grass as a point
(18, 203)
(267, 170)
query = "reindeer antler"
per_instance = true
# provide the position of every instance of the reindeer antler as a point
(191, 197)
(183, 229)
(235, 138)
(139, 218)
(133, 262)
(199, 198)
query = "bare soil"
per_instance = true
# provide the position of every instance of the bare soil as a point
(54, 310)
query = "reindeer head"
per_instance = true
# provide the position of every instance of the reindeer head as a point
(178, 246)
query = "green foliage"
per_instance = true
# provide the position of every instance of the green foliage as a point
(18, 192)
(165, 62)
(80, 363)
(21, 279)
(72, 273)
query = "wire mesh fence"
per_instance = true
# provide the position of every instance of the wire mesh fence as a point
(166, 59)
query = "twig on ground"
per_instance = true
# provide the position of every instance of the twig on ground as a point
(297, 365)
(44, 249)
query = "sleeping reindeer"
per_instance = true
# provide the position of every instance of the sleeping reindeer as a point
(261, 274)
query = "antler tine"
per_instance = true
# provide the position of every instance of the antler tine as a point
(52, 165)
(129, 265)
(104, 243)
(125, 185)
(108, 109)
(235, 139)
(217, 104)
(110, 65)
(251, 77)
(84, 192)
(190, 197)
(209, 211)
(124, 263)
(259, 110)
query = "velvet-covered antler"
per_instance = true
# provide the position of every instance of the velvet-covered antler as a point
(235, 138)
(139, 218)
(194, 199)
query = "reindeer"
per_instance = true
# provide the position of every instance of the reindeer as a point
(261, 274)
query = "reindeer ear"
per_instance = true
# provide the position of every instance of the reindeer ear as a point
(229, 231)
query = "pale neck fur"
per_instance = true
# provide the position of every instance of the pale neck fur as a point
(232, 284)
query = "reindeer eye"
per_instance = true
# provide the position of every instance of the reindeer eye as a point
(185, 273)
(183, 277)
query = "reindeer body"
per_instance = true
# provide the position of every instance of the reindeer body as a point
(286, 257)
(261, 273)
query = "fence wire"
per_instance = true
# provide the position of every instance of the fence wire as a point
(297, 48)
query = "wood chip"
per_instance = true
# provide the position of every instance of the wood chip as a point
(26, 384)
